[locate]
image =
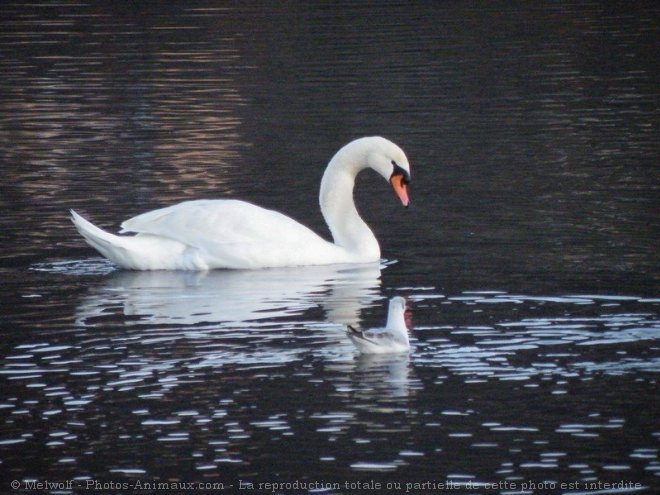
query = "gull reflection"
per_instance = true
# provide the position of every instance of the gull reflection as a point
(231, 297)
(375, 378)
(388, 374)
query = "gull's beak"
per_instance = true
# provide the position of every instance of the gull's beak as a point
(399, 180)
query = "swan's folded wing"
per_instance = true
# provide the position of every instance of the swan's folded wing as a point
(219, 221)
(234, 233)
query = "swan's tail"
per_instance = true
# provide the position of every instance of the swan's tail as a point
(139, 252)
(113, 247)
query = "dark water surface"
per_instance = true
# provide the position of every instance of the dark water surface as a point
(530, 253)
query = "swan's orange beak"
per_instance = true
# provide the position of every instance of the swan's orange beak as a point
(399, 181)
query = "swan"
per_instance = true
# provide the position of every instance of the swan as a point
(391, 339)
(227, 233)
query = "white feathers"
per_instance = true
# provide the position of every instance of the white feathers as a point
(207, 234)
(391, 339)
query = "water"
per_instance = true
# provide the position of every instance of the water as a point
(529, 254)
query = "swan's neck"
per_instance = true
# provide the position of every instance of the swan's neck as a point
(336, 199)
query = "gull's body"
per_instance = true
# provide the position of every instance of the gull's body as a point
(393, 338)
(207, 234)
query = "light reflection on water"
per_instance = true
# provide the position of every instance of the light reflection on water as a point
(192, 366)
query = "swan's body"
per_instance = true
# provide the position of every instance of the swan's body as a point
(207, 234)
(391, 339)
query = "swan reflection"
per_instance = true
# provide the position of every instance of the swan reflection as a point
(231, 297)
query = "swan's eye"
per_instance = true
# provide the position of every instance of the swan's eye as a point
(400, 171)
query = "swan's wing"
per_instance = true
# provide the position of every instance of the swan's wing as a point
(233, 233)
(223, 221)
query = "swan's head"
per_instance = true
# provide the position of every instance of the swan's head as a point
(390, 161)
(383, 156)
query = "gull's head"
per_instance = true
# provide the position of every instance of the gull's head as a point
(397, 305)
(396, 315)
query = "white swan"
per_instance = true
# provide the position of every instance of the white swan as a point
(207, 234)
(391, 339)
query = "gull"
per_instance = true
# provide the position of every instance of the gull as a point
(391, 339)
